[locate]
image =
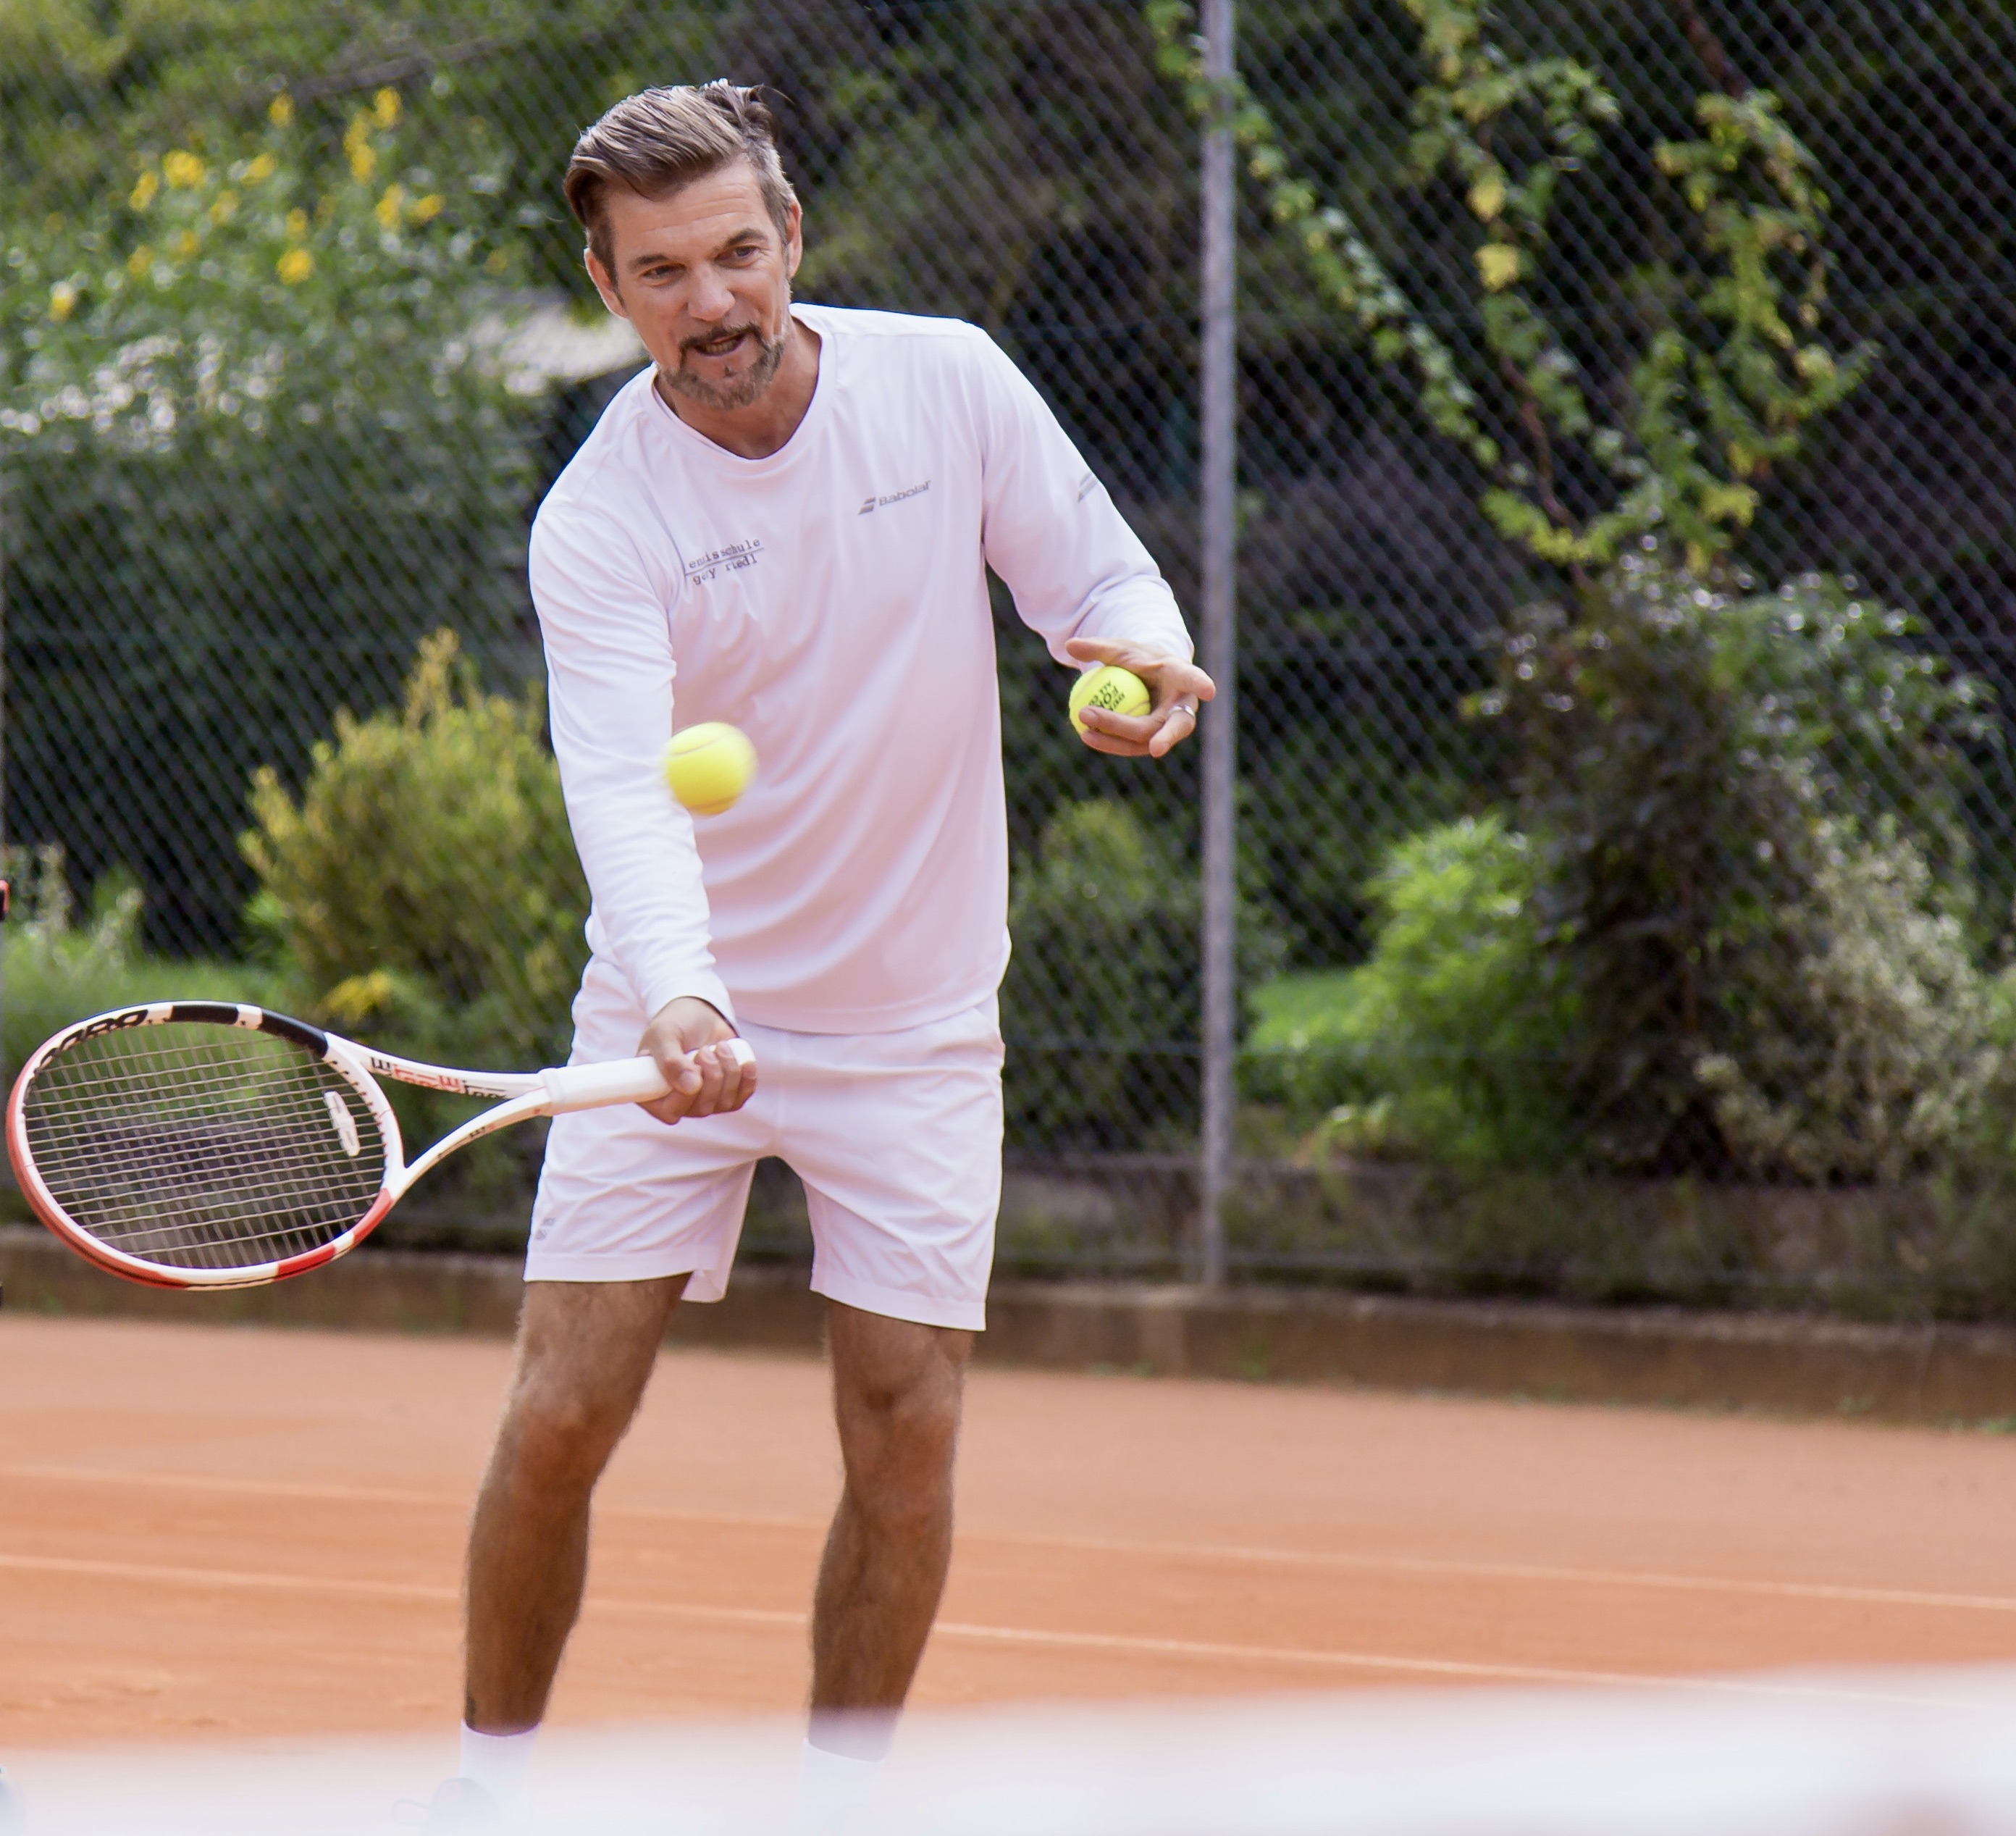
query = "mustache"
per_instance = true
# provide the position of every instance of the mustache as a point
(727, 331)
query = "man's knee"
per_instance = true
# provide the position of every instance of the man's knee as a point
(897, 1392)
(556, 1430)
(585, 1355)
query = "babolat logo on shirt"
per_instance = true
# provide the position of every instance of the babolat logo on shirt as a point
(729, 559)
(894, 497)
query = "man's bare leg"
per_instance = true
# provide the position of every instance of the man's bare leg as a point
(897, 1388)
(586, 1351)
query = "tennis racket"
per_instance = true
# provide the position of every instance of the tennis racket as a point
(197, 1144)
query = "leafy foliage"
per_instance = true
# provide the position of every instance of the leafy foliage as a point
(371, 880)
(60, 966)
(1732, 366)
(1449, 1040)
(239, 285)
(256, 444)
(1891, 1056)
(1317, 820)
(1689, 764)
(1103, 985)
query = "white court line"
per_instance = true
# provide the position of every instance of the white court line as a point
(1234, 1554)
(376, 1494)
(1118, 1644)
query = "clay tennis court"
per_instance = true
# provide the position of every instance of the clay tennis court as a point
(243, 1532)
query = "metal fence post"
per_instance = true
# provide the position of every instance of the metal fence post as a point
(1220, 727)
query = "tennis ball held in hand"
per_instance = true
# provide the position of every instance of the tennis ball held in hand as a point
(708, 766)
(1117, 690)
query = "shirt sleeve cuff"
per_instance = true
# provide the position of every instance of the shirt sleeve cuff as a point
(1151, 619)
(703, 985)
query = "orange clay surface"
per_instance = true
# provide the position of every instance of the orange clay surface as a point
(244, 1533)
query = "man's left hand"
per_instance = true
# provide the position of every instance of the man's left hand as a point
(1175, 688)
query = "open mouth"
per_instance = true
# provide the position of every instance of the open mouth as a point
(723, 344)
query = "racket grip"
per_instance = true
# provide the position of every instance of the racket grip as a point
(622, 1080)
(596, 1086)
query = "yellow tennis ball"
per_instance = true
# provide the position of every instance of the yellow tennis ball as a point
(709, 766)
(1117, 690)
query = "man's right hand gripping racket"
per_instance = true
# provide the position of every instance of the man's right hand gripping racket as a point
(195, 1144)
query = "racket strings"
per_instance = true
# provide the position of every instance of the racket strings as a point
(199, 1146)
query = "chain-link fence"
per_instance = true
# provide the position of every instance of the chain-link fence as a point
(1624, 884)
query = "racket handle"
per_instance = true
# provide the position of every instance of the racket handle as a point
(622, 1080)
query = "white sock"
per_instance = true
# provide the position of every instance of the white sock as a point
(834, 1790)
(498, 1763)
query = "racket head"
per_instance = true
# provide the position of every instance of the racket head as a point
(195, 1144)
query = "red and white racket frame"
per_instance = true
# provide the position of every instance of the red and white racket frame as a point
(524, 1095)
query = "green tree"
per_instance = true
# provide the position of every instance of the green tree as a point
(255, 437)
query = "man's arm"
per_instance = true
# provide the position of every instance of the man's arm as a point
(610, 672)
(1080, 577)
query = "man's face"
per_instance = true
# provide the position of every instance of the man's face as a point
(706, 279)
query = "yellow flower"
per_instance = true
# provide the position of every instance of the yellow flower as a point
(355, 999)
(183, 171)
(426, 209)
(499, 261)
(295, 266)
(223, 206)
(385, 106)
(143, 190)
(261, 169)
(1498, 264)
(387, 209)
(357, 146)
(280, 110)
(139, 261)
(62, 300)
(1487, 197)
(297, 224)
(186, 245)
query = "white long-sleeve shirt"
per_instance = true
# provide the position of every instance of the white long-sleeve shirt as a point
(831, 601)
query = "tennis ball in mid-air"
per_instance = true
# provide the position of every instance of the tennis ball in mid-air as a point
(710, 765)
(1117, 690)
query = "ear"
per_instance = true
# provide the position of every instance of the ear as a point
(794, 240)
(605, 284)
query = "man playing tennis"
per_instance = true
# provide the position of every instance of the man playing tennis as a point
(785, 523)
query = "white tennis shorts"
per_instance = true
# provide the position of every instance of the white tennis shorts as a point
(896, 1136)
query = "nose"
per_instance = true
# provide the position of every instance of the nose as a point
(712, 298)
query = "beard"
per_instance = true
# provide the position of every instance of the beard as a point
(732, 392)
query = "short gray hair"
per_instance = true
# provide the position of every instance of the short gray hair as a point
(659, 140)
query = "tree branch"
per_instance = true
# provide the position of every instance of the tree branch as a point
(1542, 445)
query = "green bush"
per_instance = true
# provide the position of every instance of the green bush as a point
(1889, 1049)
(1318, 816)
(1448, 1042)
(58, 970)
(1691, 765)
(1729, 934)
(425, 888)
(1101, 1006)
